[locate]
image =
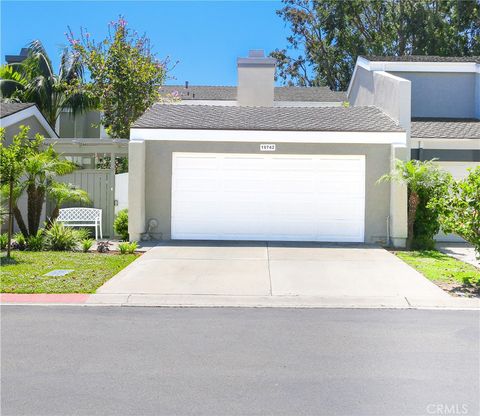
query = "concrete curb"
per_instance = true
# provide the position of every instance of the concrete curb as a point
(221, 301)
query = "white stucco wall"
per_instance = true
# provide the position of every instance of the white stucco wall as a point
(136, 189)
(121, 191)
(390, 93)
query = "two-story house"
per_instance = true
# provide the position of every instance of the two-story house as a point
(435, 99)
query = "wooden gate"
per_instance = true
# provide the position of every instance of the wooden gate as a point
(100, 185)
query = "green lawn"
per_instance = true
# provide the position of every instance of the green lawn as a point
(440, 268)
(25, 272)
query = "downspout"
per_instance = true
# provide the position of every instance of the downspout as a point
(420, 151)
(389, 243)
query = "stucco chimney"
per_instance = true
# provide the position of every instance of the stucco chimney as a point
(255, 79)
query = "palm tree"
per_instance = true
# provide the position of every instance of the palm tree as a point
(41, 169)
(418, 176)
(65, 192)
(34, 80)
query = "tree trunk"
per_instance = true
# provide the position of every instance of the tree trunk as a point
(35, 205)
(31, 207)
(413, 201)
(10, 218)
(54, 216)
(19, 219)
(39, 199)
(401, 31)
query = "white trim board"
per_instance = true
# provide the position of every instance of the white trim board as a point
(399, 138)
(412, 67)
(25, 113)
(225, 103)
(418, 66)
(450, 144)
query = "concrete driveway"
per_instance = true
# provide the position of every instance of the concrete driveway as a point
(271, 270)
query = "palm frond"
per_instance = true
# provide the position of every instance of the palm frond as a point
(33, 80)
(66, 192)
(11, 89)
(38, 58)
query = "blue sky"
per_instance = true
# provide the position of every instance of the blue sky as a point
(205, 36)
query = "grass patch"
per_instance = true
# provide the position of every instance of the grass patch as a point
(440, 268)
(24, 272)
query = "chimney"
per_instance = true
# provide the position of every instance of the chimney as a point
(255, 79)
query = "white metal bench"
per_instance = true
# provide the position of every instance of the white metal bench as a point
(82, 217)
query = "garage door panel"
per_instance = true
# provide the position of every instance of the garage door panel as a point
(207, 174)
(342, 190)
(190, 197)
(195, 162)
(198, 185)
(338, 165)
(291, 164)
(243, 164)
(268, 197)
(344, 211)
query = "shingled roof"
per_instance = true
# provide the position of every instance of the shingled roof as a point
(7, 109)
(424, 58)
(206, 117)
(445, 128)
(229, 93)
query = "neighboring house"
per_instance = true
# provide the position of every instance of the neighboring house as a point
(84, 151)
(13, 115)
(83, 125)
(259, 162)
(436, 99)
(15, 59)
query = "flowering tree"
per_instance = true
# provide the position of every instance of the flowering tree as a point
(125, 75)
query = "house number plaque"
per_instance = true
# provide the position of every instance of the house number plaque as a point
(267, 147)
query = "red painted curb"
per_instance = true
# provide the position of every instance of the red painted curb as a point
(43, 297)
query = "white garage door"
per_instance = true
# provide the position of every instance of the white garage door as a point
(268, 197)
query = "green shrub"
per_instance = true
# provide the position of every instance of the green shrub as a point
(86, 244)
(84, 233)
(460, 208)
(61, 238)
(120, 225)
(123, 247)
(20, 242)
(3, 241)
(127, 248)
(36, 242)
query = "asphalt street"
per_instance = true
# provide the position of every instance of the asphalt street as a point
(187, 361)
